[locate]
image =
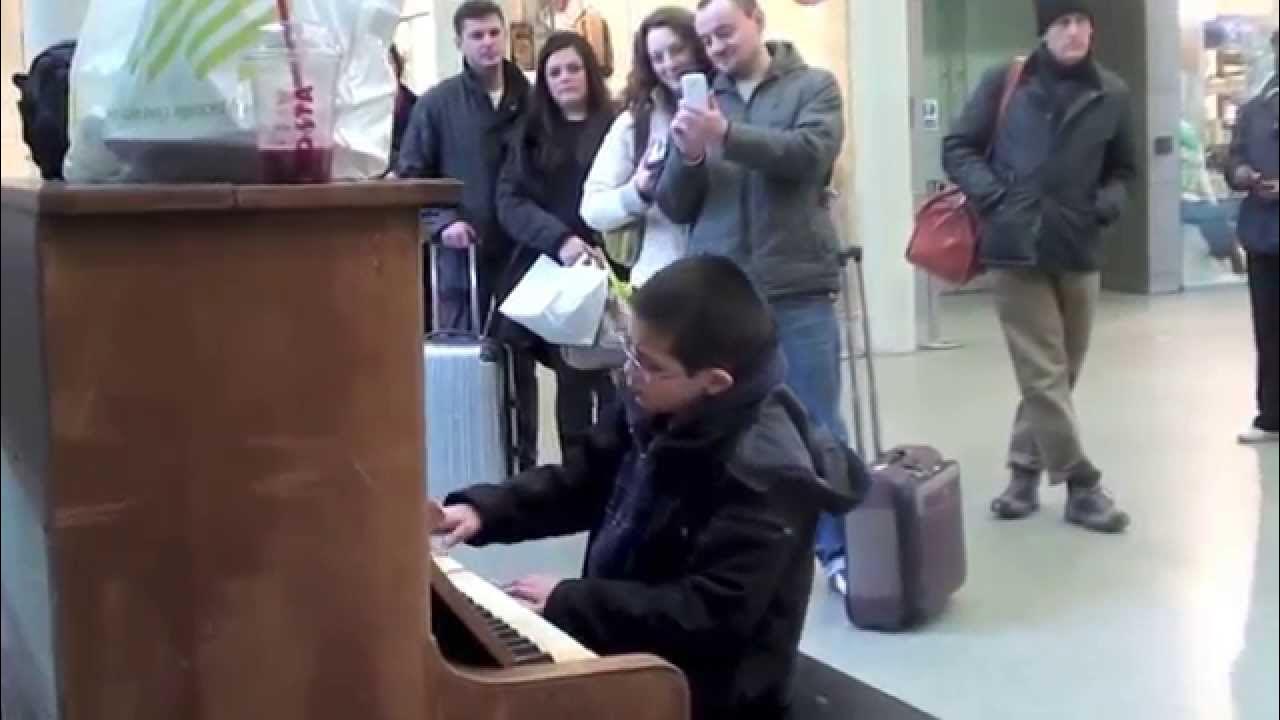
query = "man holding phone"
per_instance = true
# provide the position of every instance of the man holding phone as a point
(1254, 167)
(750, 175)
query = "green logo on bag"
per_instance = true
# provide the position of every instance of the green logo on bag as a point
(205, 33)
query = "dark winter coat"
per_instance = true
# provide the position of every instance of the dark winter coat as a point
(1256, 144)
(714, 570)
(456, 132)
(1057, 176)
(538, 204)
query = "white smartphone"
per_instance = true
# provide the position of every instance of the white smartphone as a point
(693, 90)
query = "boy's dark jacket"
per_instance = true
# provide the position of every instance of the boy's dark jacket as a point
(718, 578)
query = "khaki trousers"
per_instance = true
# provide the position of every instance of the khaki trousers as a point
(1047, 319)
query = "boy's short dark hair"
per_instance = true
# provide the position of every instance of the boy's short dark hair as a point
(475, 10)
(712, 313)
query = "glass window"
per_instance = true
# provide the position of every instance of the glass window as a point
(1226, 60)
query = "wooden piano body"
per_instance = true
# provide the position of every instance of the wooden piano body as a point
(213, 503)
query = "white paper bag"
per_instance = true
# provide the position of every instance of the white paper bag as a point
(562, 305)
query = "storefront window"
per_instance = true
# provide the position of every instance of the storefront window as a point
(1226, 60)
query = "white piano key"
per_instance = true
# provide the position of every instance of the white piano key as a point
(551, 639)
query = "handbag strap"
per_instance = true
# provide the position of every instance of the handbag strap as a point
(642, 117)
(1011, 80)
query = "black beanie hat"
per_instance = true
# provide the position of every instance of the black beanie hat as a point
(1049, 11)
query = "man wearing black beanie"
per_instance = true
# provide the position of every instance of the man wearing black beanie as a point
(1054, 179)
(1050, 11)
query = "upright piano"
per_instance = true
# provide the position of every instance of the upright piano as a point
(213, 463)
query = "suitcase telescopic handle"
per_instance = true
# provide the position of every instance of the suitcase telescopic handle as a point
(844, 255)
(853, 252)
(433, 263)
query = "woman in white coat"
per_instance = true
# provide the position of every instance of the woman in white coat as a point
(619, 188)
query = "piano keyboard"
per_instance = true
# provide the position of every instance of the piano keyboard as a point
(513, 633)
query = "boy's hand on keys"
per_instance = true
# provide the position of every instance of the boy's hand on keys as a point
(533, 591)
(458, 524)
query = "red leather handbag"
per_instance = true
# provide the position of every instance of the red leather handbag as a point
(944, 240)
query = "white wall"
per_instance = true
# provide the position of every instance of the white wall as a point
(879, 53)
(13, 152)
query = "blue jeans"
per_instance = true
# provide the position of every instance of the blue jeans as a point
(810, 337)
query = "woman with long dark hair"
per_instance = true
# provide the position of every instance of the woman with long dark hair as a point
(619, 190)
(540, 190)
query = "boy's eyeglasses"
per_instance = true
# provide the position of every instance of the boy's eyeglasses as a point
(643, 371)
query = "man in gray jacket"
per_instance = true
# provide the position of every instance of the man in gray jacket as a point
(1054, 181)
(750, 175)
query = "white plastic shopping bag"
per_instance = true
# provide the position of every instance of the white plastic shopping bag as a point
(562, 305)
(159, 91)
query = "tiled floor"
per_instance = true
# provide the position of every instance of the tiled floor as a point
(1177, 620)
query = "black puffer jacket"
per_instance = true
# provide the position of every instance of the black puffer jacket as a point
(538, 202)
(538, 205)
(1056, 178)
(717, 574)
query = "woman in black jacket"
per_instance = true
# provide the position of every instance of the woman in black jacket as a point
(540, 192)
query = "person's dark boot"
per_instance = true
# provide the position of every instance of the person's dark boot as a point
(1021, 498)
(1092, 508)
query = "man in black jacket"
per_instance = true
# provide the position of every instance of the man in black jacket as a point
(457, 131)
(1052, 184)
(701, 497)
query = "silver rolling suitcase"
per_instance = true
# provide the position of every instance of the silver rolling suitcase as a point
(468, 399)
(906, 539)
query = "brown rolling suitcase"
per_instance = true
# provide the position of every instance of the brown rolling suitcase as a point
(906, 539)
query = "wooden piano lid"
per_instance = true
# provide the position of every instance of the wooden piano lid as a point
(52, 198)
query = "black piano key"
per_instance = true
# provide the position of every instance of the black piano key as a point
(526, 650)
(524, 647)
(523, 650)
(534, 659)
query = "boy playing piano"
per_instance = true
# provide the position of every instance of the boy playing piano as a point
(701, 494)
